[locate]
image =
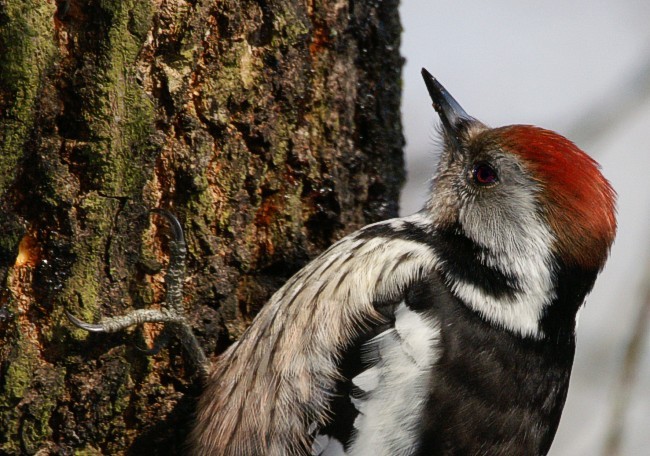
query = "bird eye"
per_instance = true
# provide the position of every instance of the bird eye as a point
(484, 175)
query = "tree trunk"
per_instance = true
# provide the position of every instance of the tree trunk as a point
(270, 128)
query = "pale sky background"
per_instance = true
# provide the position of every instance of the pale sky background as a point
(559, 65)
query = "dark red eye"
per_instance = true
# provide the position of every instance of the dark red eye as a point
(484, 174)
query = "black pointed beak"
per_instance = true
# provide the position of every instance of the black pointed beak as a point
(453, 117)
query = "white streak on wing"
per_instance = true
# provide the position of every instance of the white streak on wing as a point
(396, 388)
(367, 380)
(416, 336)
(324, 445)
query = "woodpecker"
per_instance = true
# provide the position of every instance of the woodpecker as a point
(447, 332)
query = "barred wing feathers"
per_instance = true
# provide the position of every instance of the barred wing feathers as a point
(270, 392)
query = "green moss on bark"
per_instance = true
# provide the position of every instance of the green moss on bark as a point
(36, 429)
(19, 374)
(118, 113)
(26, 40)
(30, 392)
(83, 292)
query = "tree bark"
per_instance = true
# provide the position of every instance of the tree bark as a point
(270, 128)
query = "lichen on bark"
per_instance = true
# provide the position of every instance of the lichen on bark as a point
(27, 53)
(270, 128)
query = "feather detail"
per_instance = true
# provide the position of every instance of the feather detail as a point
(396, 388)
(580, 202)
(286, 362)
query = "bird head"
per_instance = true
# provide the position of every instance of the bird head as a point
(519, 187)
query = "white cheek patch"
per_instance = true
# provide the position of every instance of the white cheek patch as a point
(517, 248)
(396, 387)
(520, 314)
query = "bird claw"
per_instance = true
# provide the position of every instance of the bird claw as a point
(172, 315)
(83, 325)
(159, 343)
(133, 318)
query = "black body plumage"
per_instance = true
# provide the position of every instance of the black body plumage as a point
(490, 391)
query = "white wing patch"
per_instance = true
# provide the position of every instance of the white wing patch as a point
(396, 387)
(324, 445)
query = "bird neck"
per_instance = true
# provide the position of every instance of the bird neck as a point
(572, 284)
(508, 289)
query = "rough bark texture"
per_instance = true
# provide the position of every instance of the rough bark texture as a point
(270, 128)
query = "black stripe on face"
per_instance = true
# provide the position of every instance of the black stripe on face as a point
(462, 259)
(407, 231)
(460, 255)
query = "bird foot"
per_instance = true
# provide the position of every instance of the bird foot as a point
(172, 315)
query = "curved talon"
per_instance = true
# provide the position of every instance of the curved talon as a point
(150, 351)
(159, 343)
(171, 314)
(175, 225)
(83, 325)
(175, 273)
(133, 318)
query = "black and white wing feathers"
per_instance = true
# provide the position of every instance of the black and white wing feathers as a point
(286, 367)
(380, 403)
